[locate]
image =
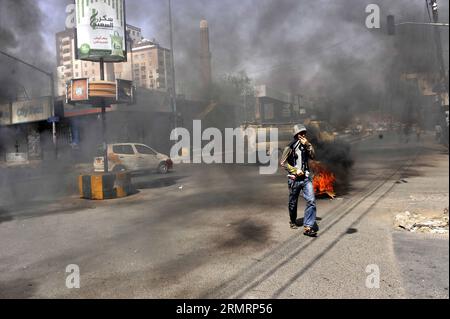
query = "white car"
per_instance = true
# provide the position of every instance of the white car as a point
(133, 157)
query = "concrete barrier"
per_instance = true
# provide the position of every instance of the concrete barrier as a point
(101, 186)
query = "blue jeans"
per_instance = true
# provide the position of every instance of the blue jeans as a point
(304, 186)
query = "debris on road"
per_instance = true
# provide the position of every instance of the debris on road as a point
(418, 223)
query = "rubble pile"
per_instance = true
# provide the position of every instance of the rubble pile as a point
(418, 223)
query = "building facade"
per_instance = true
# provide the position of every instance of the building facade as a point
(134, 34)
(68, 67)
(148, 66)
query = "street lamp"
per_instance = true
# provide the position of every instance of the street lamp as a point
(52, 89)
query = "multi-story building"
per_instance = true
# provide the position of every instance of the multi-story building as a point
(134, 34)
(148, 66)
(68, 67)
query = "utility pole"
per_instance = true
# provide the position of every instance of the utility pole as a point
(173, 93)
(105, 143)
(437, 38)
(131, 42)
(52, 93)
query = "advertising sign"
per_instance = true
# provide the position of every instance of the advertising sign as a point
(31, 111)
(5, 114)
(100, 30)
(80, 90)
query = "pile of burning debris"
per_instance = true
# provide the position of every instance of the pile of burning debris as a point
(324, 180)
(418, 223)
(331, 174)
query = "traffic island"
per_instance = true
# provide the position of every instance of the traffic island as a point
(102, 186)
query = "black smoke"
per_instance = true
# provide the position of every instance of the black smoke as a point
(315, 48)
(21, 35)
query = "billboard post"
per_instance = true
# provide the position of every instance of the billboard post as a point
(100, 36)
(105, 143)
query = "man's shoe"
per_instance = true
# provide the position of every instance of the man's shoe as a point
(293, 225)
(310, 232)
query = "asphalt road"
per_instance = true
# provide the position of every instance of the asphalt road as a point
(218, 232)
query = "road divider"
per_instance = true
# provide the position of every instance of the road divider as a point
(102, 186)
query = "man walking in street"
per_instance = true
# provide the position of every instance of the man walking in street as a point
(295, 160)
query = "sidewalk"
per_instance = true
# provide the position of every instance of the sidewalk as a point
(423, 259)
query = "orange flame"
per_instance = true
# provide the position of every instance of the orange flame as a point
(323, 181)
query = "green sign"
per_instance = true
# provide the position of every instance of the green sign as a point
(100, 26)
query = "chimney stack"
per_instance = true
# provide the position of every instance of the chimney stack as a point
(205, 57)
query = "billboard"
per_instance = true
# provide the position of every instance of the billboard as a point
(100, 30)
(31, 111)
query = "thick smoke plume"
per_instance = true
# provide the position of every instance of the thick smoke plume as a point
(21, 25)
(313, 48)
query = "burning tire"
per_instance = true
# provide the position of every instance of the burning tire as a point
(324, 180)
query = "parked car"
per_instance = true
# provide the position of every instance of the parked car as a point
(133, 157)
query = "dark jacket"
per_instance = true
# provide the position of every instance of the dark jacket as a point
(289, 158)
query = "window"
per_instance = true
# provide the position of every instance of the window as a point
(144, 150)
(76, 75)
(123, 149)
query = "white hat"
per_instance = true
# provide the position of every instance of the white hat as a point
(299, 129)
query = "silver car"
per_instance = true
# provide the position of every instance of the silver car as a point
(133, 157)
